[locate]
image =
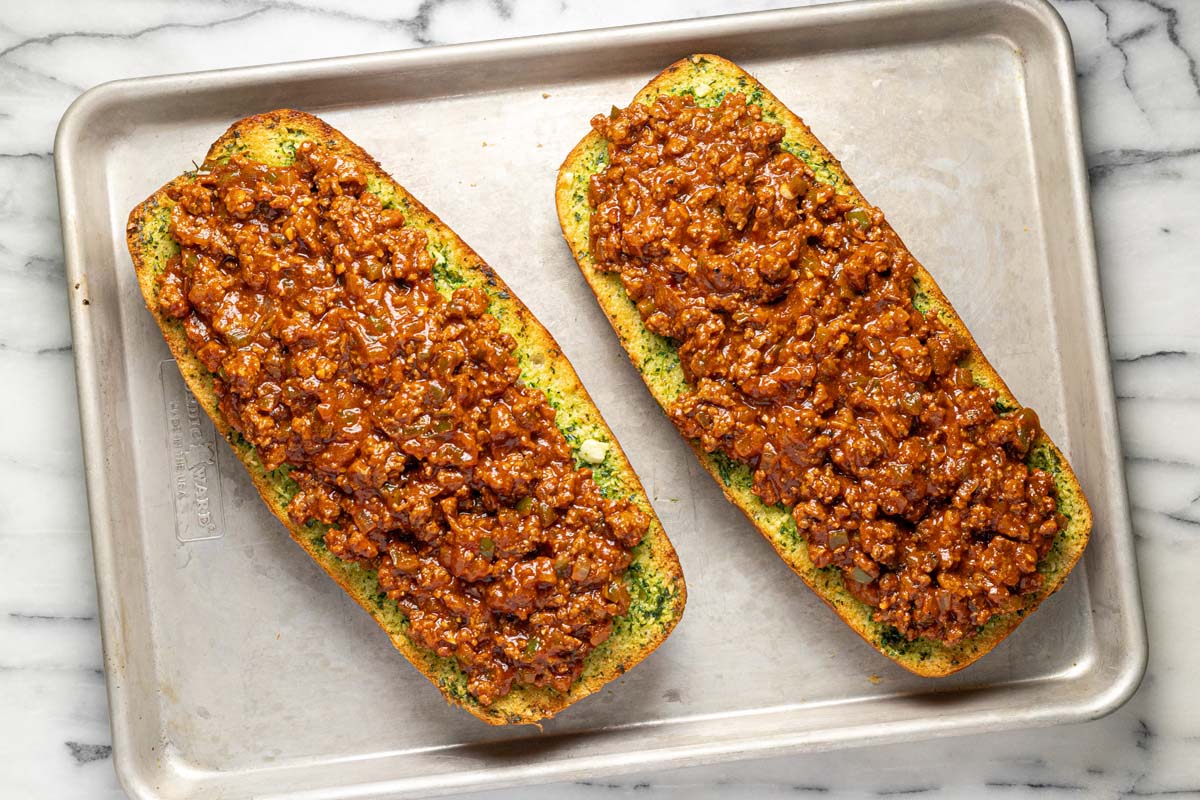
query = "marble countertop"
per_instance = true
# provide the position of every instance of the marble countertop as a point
(1139, 84)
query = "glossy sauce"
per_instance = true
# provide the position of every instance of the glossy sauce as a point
(792, 311)
(401, 416)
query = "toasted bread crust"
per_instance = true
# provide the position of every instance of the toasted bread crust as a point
(709, 78)
(655, 578)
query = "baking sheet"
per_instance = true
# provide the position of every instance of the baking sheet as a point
(237, 669)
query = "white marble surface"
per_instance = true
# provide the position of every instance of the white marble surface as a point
(1140, 95)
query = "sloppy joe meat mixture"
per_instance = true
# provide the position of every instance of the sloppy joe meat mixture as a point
(792, 310)
(400, 415)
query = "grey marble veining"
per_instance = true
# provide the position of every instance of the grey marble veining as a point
(1139, 87)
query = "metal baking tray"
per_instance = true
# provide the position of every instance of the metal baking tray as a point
(237, 669)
